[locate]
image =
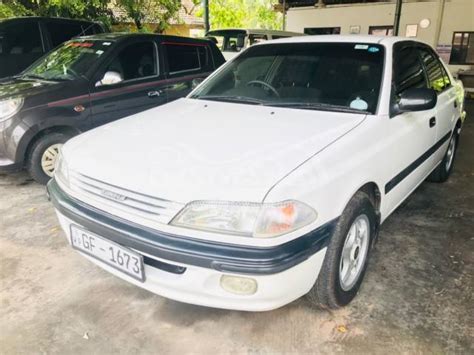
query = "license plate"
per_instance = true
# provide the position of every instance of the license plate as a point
(112, 254)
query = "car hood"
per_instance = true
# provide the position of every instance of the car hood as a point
(202, 150)
(12, 87)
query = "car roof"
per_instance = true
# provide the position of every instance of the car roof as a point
(120, 36)
(44, 18)
(383, 40)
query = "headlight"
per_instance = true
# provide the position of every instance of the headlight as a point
(10, 107)
(246, 219)
(61, 171)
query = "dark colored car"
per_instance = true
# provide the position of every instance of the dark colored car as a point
(25, 39)
(90, 81)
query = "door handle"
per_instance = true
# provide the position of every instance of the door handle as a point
(432, 121)
(155, 93)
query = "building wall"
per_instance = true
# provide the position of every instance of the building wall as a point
(458, 16)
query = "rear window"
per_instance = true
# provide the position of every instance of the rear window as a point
(187, 57)
(61, 32)
(20, 39)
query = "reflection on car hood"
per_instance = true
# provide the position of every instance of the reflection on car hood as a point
(203, 150)
(12, 87)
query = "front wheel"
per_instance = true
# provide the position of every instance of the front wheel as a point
(42, 156)
(445, 168)
(347, 255)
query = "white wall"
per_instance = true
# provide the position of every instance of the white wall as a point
(458, 16)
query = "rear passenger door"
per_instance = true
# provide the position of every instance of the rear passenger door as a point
(446, 108)
(20, 45)
(187, 65)
(137, 64)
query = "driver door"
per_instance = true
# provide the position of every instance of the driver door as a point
(135, 66)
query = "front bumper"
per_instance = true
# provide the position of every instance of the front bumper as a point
(189, 270)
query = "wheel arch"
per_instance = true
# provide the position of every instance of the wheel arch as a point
(25, 149)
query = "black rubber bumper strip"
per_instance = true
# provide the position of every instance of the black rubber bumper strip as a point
(191, 251)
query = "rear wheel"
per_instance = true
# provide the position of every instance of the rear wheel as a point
(347, 255)
(444, 169)
(43, 155)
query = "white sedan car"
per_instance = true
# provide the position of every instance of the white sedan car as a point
(271, 179)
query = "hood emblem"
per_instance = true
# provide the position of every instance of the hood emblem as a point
(113, 195)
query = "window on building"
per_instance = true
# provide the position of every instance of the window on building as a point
(407, 70)
(322, 30)
(381, 30)
(462, 51)
(438, 79)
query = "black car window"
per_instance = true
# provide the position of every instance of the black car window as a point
(135, 61)
(20, 39)
(407, 70)
(60, 32)
(187, 57)
(438, 79)
(328, 76)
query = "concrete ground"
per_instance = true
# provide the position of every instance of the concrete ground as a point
(417, 296)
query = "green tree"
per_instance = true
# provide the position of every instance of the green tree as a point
(84, 9)
(243, 14)
(159, 12)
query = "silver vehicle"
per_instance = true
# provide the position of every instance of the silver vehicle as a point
(231, 41)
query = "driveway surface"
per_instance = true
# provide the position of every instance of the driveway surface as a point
(417, 296)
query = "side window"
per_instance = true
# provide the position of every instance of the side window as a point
(21, 39)
(135, 61)
(254, 38)
(60, 32)
(407, 70)
(186, 57)
(438, 79)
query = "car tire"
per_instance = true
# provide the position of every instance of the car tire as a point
(444, 169)
(329, 291)
(42, 154)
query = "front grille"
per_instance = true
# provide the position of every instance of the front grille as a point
(145, 206)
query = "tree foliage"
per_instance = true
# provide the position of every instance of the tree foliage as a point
(159, 12)
(243, 14)
(84, 9)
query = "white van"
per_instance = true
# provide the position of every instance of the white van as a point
(232, 41)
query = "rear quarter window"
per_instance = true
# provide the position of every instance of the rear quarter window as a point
(188, 57)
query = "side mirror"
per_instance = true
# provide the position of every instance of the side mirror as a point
(416, 99)
(240, 41)
(110, 78)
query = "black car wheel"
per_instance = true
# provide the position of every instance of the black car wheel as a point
(42, 156)
(346, 257)
(444, 169)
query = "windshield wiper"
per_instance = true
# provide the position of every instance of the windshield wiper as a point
(229, 98)
(317, 106)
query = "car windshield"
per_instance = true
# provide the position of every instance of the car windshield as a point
(70, 61)
(321, 76)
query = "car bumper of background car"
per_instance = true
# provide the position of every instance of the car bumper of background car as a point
(194, 280)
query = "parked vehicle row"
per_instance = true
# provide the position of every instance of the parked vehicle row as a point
(91, 81)
(232, 41)
(25, 39)
(270, 180)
